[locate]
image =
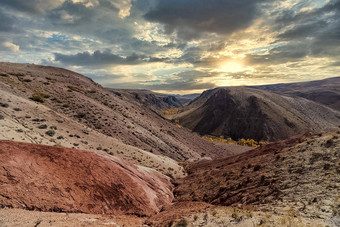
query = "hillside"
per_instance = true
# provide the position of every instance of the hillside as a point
(184, 99)
(326, 92)
(71, 95)
(299, 175)
(242, 112)
(45, 178)
(155, 101)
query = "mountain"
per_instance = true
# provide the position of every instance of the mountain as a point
(51, 178)
(184, 99)
(156, 101)
(243, 112)
(326, 92)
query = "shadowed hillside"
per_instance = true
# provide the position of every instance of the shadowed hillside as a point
(156, 101)
(242, 112)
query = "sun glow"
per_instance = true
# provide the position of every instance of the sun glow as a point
(232, 67)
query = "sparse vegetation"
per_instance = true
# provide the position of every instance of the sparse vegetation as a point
(39, 97)
(5, 105)
(242, 142)
(42, 127)
(171, 111)
(80, 115)
(182, 223)
(50, 133)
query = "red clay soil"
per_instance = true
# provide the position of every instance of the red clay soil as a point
(46, 178)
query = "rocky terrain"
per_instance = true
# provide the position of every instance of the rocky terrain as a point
(325, 91)
(45, 178)
(242, 112)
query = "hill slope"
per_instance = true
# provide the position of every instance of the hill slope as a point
(242, 112)
(46, 178)
(156, 101)
(326, 92)
(80, 99)
(300, 173)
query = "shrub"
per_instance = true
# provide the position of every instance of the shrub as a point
(257, 168)
(50, 133)
(80, 115)
(17, 109)
(42, 126)
(5, 105)
(182, 223)
(2, 117)
(39, 97)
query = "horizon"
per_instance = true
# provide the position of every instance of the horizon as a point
(176, 46)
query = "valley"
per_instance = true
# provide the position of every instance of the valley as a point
(76, 153)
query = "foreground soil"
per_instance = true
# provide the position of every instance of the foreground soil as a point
(301, 173)
(46, 178)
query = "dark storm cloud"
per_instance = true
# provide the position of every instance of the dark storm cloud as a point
(6, 22)
(190, 18)
(22, 5)
(175, 85)
(104, 58)
(314, 33)
(288, 53)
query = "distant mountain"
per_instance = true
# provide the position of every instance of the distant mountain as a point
(243, 112)
(155, 101)
(325, 91)
(184, 99)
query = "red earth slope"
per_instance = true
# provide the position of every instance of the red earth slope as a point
(46, 178)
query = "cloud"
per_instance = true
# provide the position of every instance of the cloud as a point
(104, 58)
(31, 6)
(176, 44)
(191, 18)
(10, 46)
(6, 22)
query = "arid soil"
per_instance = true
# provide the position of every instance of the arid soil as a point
(20, 218)
(51, 178)
(242, 112)
(301, 173)
(27, 121)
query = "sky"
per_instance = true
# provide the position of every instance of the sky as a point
(176, 46)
